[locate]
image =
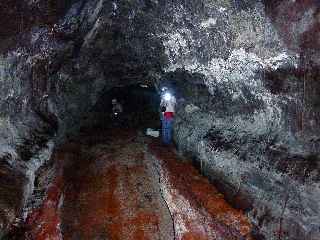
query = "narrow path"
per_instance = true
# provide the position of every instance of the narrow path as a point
(119, 186)
(113, 196)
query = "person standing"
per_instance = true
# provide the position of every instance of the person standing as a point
(117, 111)
(116, 107)
(167, 105)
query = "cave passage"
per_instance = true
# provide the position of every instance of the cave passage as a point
(245, 74)
(140, 103)
(119, 184)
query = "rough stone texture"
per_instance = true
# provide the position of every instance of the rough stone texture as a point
(55, 62)
(247, 71)
(248, 115)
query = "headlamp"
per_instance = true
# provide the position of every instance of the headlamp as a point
(167, 96)
(164, 89)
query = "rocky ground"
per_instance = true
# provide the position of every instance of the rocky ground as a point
(123, 185)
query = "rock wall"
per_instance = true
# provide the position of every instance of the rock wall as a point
(246, 113)
(55, 62)
(56, 59)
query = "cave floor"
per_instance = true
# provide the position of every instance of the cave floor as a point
(123, 185)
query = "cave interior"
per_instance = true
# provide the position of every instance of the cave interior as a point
(246, 77)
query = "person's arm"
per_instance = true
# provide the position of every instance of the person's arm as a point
(163, 106)
(162, 103)
(120, 108)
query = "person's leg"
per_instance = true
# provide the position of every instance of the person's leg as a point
(169, 131)
(166, 135)
(163, 130)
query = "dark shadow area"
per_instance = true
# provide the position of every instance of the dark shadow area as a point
(18, 17)
(303, 85)
(140, 105)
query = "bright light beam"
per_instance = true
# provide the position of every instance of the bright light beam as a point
(167, 96)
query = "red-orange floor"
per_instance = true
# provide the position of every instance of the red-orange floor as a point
(121, 186)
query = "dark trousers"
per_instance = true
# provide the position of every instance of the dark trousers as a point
(167, 125)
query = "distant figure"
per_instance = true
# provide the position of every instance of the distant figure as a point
(116, 107)
(167, 106)
(117, 118)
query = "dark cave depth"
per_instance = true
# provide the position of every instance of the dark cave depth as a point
(140, 104)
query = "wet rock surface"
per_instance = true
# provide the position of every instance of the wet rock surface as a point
(113, 195)
(120, 185)
(213, 218)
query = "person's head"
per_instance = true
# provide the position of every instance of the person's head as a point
(114, 101)
(164, 89)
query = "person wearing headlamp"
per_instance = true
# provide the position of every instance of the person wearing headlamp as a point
(167, 105)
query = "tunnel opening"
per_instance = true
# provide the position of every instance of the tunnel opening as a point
(140, 105)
